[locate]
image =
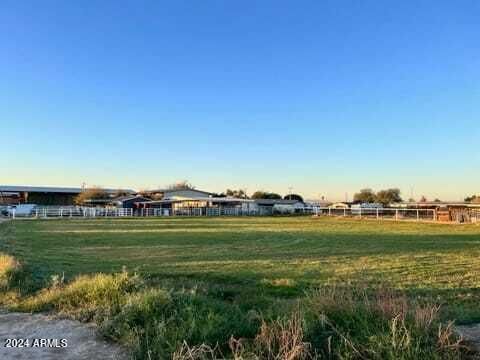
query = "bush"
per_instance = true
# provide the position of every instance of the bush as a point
(86, 298)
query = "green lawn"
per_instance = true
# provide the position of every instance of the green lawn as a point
(279, 257)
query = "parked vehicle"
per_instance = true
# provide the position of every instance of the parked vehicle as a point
(20, 210)
(4, 210)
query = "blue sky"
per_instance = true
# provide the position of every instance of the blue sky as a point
(325, 96)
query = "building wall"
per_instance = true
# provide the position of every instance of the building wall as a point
(184, 194)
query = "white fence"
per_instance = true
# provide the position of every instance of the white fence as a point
(374, 213)
(379, 213)
(87, 212)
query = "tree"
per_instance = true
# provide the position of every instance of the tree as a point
(474, 199)
(389, 196)
(437, 200)
(365, 196)
(293, 197)
(240, 194)
(95, 193)
(265, 195)
(423, 199)
(181, 185)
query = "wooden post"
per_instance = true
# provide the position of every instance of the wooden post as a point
(418, 215)
(396, 214)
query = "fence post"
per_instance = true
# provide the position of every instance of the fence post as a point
(418, 215)
(360, 211)
(13, 213)
(396, 214)
(329, 212)
(377, 214)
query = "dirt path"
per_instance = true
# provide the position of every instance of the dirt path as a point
(81, 340)
(471, 333)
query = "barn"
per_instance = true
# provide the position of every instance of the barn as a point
(43, 195)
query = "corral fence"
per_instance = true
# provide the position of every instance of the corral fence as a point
(98, 212)
(372, 213)
(379, 213)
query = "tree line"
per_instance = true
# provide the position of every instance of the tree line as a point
(259, 194)
(384, 197)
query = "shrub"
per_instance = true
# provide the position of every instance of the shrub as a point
(86, 298)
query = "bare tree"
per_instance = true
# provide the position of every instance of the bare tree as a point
(181, 185)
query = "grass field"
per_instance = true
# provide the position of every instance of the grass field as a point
(261, 263)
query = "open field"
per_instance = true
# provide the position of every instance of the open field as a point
(261, 263)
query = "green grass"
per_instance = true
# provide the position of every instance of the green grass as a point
(257, 264)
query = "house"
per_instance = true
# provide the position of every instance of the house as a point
(170, 194)
(177, 200)
(199, 205)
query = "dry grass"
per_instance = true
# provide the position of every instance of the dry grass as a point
(283, 339)
(401, 328)
(85, 297)
(9, 266)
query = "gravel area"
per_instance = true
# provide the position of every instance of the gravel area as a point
(49, 338)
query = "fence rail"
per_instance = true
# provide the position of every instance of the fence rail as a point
(374, 213)
(87, 212)
(379, 213)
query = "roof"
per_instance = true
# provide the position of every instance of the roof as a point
(49, 189)
(210, 199)
(128, 197)
(175, 190)
(452, 203)
(276, 202)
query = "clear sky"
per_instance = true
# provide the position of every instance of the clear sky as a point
(325, 96)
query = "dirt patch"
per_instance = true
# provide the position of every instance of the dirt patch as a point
(471, 333)
(81, 339)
